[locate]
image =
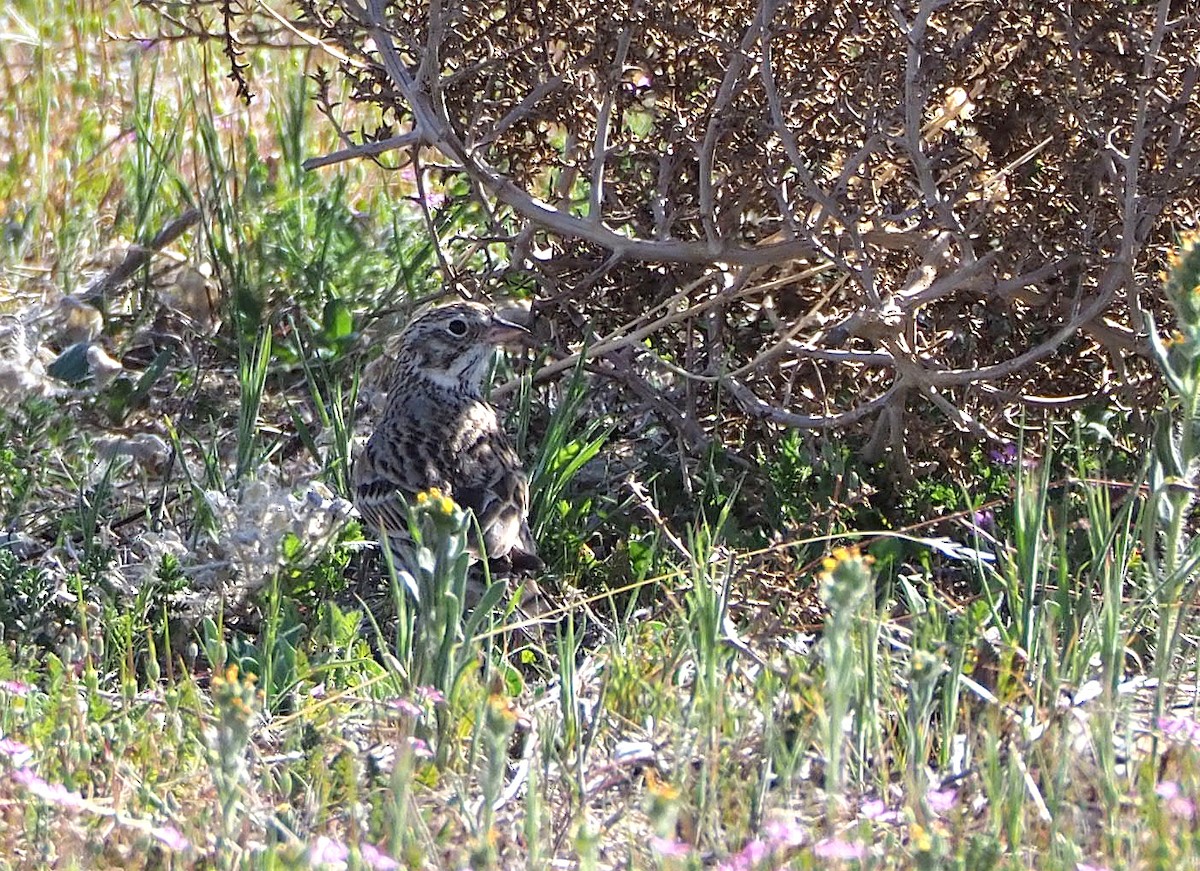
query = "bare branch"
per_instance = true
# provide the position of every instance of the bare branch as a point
(365, 149)
(139, 255)
(603, 119)
(756, 407)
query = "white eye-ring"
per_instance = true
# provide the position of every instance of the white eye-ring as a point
(457, 327)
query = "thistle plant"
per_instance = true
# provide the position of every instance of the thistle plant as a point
(1172, 555)
(499, 722)
(235, 700)
(847, 592)
(434, 643)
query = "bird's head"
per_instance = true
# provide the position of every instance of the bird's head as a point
(452, 345)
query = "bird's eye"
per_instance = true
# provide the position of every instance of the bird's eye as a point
(457, 327)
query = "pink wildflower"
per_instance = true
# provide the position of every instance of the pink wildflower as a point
(1183, 730)
(669, 847)
(419, 748)
(375, 858)
(781, 833)
(51, 793)
(171, 838)
(431, 694)
(1178, 805)
(326, 852)
(19, 753)
(836, 848)
(940, 801)
(877, 811)
(406, 707)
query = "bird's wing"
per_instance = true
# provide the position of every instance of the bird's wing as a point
(491, 484)
(391, 469)
(489, 481)
(469, 457)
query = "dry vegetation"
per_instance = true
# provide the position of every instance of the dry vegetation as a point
(824, 216)
(786, 241)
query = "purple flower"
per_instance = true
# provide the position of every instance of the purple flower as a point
(406, 707)
(985, 519)
(16, 687)
(669, 847)
(19, 753)
(836, 848)
(1167, 789)
(1178, 805)
(1006, 455)
(419, 748)
(375, 858)
(431, 694)
(326, 851)
(781, 833)
(171, 838)
(1182, 730)
(940, 801)
(876, 811)
(51, 793)
(753, 853)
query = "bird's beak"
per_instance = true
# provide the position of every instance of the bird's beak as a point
(502, 332)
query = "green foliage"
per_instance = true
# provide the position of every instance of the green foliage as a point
(848, 648)
(28, 435)
(791, 472)
(817, 484)
(330, 399)
(559, 515)
(126, 395)
(29, 603)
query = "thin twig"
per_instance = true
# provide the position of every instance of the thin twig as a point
(139, 255)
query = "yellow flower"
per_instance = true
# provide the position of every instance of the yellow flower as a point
(430, 495)
(920, 838)
(841, 555)
(659, 788)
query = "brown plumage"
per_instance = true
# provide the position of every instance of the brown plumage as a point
(437, 430)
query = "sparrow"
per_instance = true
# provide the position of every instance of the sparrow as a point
(438, 431)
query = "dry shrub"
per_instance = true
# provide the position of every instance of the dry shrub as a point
(827, 216)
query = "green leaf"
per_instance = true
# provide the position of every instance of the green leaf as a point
(153, 372)
(71, 366)
(337, 322)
